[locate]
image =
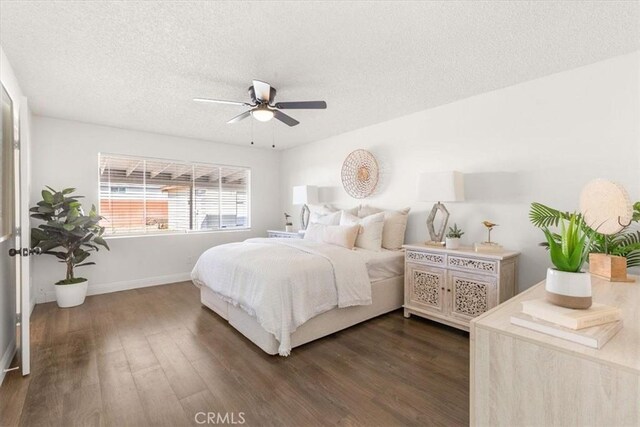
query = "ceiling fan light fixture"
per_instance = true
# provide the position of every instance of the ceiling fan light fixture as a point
(263, 106)
(262, 114)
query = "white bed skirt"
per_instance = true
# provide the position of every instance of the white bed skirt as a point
(387, 295)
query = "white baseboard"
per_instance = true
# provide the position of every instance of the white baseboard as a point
(7, 357)
(105, 288)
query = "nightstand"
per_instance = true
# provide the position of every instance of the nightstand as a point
(453, 286)
(284, 234)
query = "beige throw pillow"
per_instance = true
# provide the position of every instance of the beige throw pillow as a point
(395, 225)
(370, 236)
(366, 210)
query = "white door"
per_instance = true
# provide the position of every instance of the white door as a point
(16, 251)
(14, 199)
(22, 200)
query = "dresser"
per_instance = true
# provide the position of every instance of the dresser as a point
(524, 377)
(284, 234)
(454, 286)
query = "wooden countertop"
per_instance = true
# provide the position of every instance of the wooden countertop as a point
(623, 350)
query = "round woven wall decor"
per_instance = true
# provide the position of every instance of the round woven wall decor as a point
(606, 206)
(360, 174)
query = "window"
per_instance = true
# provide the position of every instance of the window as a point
(144, 195)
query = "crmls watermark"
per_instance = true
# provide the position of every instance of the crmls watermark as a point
(220, 418)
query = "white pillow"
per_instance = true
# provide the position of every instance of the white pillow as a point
(314, 232)
(395, 225)
(370, 236)
(318, 211)
(327, 219)
(340, 235)
(321, 209)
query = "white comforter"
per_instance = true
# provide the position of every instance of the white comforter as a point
(284, 282)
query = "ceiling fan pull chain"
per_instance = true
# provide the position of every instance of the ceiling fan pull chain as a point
(273, 135)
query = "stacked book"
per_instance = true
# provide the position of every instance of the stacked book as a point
(592, 327)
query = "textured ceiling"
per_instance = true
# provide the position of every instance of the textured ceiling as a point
(138, 64)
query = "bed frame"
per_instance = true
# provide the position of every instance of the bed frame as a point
(387, 295)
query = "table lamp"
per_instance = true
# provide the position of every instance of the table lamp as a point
(440, 187)
(303, 195)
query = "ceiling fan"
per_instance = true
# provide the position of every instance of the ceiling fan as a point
(264, 108)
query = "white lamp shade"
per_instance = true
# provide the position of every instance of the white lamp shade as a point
(441, 187)
(305, 194)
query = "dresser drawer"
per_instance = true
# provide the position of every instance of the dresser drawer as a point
(473, 264)
(429, 258)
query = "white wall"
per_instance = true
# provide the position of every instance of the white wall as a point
(537, 141)
(65, 154)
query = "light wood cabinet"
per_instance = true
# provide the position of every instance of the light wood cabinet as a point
(521, 377)
(455, 286)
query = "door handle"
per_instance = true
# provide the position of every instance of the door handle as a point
(25, 252)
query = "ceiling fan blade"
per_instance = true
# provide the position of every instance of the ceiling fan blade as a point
(272, 95)
(252, 95)
(220, 101)
(301, 105)
(239, 117)
(288, 120)
(262, 90)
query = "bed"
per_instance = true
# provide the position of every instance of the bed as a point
(299, 273)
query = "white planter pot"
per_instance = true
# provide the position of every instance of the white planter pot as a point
(452, 242)
(71, 295)
(572, 290)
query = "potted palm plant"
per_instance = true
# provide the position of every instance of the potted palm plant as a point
(69, 235)
(623, 246)
(567, 285)
(454, 234)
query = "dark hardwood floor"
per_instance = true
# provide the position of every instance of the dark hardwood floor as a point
(155, 356)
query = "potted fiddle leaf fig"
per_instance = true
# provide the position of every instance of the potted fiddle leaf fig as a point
(567, 285)
(70, 235)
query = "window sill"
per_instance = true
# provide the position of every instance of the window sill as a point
(173, 233)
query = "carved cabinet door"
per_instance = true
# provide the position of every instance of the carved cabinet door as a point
(470, 294)
(426, 289)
